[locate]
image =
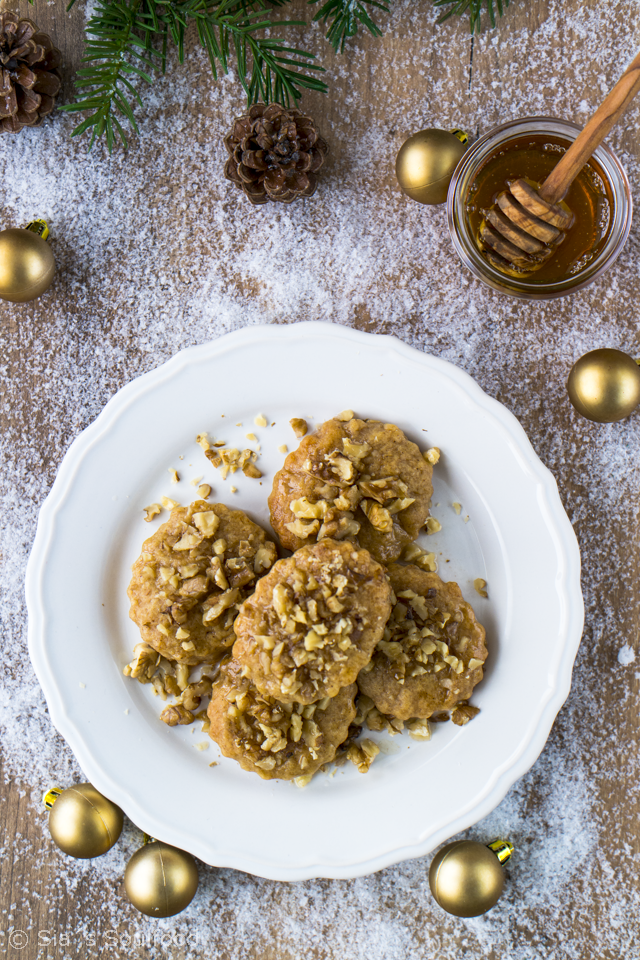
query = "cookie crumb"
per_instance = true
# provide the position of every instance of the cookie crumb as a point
(203, 745)
(82, 685)
(127, 711)
(480, 586)
(299, 426)
(214, 764)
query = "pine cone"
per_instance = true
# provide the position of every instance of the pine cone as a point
(29, 80)
(274, 154)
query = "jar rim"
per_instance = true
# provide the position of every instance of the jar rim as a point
(465, 244)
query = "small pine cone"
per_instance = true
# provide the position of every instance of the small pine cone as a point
(274, 154)
(29, 79)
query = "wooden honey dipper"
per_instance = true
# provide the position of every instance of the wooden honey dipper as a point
(523, 229)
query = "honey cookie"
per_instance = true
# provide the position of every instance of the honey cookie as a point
(313, 622)
(353, 480)
(273, 739)
(432, 653)
(192, 576)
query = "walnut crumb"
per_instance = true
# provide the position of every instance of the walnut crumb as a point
(419, 729)
(283, 448)
(175, 478)
(196, 481)
(261, 420)
(250, 470)
(463, 713)
(168, 503)
(432, 525)
(152, 511)
(299, 426)
(481, 586)
(250, 436)
(345, 416)
(233, 489)
(214, 763)
(204, 491)
(432, 455)
(202, 745)
(457, 507)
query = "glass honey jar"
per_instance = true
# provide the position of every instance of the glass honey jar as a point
(600, 198)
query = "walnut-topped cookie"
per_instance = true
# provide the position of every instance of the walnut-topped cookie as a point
(432, 653)
(313, 622)
(192, 576)
(353, 480)
(273, 739)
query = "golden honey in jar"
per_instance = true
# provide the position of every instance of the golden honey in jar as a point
(529, 149)
(589, 198)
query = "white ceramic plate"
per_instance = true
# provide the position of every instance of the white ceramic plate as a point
(90, 530)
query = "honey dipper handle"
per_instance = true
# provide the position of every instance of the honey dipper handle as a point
(606, 116)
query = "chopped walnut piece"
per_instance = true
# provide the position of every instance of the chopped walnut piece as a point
(168, 503)
(202, 440)
(480, 586)
(251, 436)
(362, 754)
(463, 713)
(474, 664)
(432, 525)
(283, 448)
(432, 455)
(204, 491)
(174, 475)
(207, 523)
(457, 507)
(152, 511)
(176, 714)
(299, 426)
(345, 416)
(250, 470)
(261, 420)
(419, 729)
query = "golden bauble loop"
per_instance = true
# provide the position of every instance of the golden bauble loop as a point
(27, 266)
(466, 878)
(604, 385)
(426, 162)
(161, 880)
(83, 823)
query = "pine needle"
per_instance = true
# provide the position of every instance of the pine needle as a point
(474, 8)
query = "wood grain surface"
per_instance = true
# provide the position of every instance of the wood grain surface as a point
(375, 80)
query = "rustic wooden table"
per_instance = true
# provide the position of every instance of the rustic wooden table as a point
(156, 252)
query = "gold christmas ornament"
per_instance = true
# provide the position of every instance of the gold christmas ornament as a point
(82, 822)
(27, 266)
(426, 162)
(466, 877)
(604, 385)
(161, 880)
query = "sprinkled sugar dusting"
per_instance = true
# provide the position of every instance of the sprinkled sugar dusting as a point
(157, 252)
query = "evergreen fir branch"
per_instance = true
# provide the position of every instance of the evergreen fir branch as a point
(124, 36)
(344, 17)
(474, 8)
(111, 47)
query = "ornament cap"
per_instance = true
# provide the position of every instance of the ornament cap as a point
(50, 796)
(503, 849)
(40, 227)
